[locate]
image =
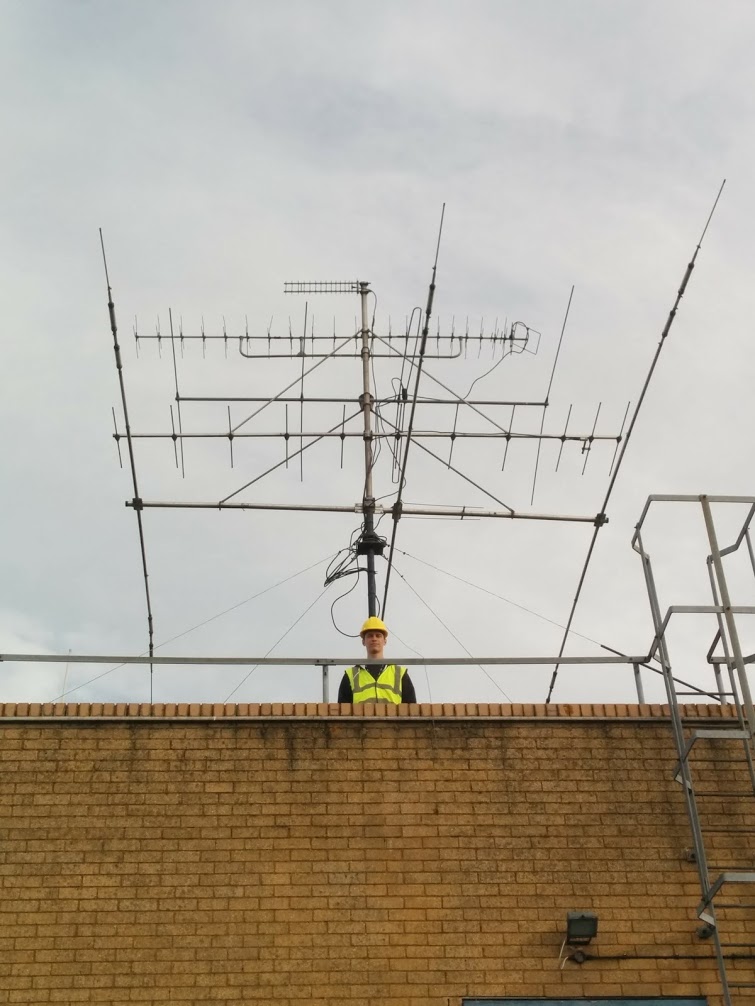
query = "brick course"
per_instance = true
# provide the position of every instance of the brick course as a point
(318, 853)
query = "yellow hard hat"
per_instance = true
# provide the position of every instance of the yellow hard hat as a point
(374, 624)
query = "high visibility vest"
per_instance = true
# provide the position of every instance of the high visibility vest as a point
(386, 688)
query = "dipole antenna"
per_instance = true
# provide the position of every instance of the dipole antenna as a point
(410, 427)
(625, 444)
(136, 502)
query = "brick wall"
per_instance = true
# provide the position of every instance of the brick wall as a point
(305, 854)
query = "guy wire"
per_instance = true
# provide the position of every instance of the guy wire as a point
(199, 625)
(598, 525)
(279, 640)
(451, 633)
(551, 621)
(132, 462)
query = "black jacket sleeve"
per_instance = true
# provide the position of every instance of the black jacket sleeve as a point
(345, 693)
(407, 689)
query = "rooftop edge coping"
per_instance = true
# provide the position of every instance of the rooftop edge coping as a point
(344, 711)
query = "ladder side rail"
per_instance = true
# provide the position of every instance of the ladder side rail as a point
(729, 619)
(684, 772)
(733, 685)
(680, 738)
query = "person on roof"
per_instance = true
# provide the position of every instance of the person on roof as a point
(376, 681)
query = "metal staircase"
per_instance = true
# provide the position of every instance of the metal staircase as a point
(716, 762)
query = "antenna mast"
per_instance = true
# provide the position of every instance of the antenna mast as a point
(369, 544)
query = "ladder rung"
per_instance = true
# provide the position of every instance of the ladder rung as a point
(729, 877)
(722, 734)
(718, 733)
(725, 792)
(733, 830)
(697, 692)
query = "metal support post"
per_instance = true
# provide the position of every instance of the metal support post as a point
(638, 684)
(722, 697)
(325, 690)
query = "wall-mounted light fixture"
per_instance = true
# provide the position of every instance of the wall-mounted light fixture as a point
(581, 929)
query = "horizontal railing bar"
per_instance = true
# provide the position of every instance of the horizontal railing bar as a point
(698, 498)
(671, 498)
(119, 658)
(708, 609)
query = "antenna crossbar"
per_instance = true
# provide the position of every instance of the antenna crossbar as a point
(581, 438)
(393, 400)
(460, 512)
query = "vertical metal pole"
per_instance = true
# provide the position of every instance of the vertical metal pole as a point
(368, 500)
(731, 625)
(720, 685)
(325, 696)
(749, 549)
(638, 684)
(724, 643)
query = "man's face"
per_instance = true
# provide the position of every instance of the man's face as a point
(374, 643)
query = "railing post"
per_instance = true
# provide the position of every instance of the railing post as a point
(638, 684)
(720, 685)
(325, 696)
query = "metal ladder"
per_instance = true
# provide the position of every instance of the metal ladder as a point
(716, 768)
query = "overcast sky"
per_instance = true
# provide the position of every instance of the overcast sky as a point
(225, 148)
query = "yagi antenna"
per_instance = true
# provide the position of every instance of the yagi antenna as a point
(321, 286)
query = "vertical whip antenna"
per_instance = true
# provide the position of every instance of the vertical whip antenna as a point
(402, 476)
(548, 392)
(178, 393)
(137, 501)
(601, 518)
